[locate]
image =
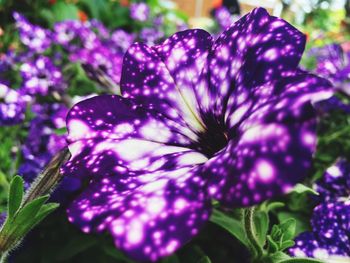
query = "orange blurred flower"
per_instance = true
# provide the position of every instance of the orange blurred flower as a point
(82, 16)
(124, 2)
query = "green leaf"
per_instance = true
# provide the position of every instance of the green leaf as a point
(278, 257)
(286, 244)
(274, 205)
(44, 211)
(272, 246)
(15, 196)
(302, 189)
(233, 226)
(301, 221)
(288, 228)
(75, 246)
(61, 131)
(204, 259)
(172, 259)
(63, 11)
(261, 221)
(28, 213)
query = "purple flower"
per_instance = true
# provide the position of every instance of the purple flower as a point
(42, 143)
(41, 76)
(332, 104)
(151, 36)
(2, 218)
(66, 31)
(139, 11)
(330, 236)
(98, 28)
(223, 17)
(74, 35)
(12, 107)
(122, 39)
(34, 37)
(102, 58)
(229, 120)
(335, 182)
(333, 63)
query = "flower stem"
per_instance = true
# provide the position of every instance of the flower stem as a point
(249, 226)
(3, 257)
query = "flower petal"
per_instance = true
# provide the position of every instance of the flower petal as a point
(331, 223)
(185, 56)
(164, 76)
(255, 50)
(149, 216)
(307, 245)
(113, 117)
(271, 149)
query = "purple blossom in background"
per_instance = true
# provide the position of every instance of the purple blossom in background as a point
(333, 63)
(151, 36)
(158, 21)
(199, 119)
(122, 39)
(139, 11)
(66, 31)
(42, 142)
(330, 237)
(41, 77)
(101, 58)
(2, 218)
(34, 37)
(332, 104)
(98, 28)
(12, 106)
(224, 18)
(74, 35)
(335, 182)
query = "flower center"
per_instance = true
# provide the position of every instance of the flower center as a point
(212, 140)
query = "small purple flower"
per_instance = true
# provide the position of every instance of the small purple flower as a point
(66, 31)
(12, 107)
(223, 17)
(34, 37)
(139, 11)
(122, 39)
(98, 28)
(335, 182)
(151, 36)
(333, 63)
(330, 236)
(41, 76)
(42, 143)
(2, 218)
(74, 35)
(230, 120)
(101, 58)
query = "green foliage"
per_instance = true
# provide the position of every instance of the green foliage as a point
(21, 217)
(232, 225)
(15, 196)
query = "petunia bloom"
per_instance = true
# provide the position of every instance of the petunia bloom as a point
(41, 76)
(12, 107)
(230, 120)
(333, 63)
(329, 239)
(139, 11)
(335, 182)
(34, 37)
